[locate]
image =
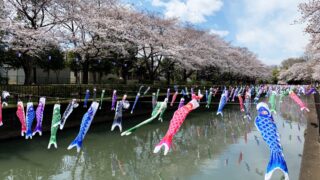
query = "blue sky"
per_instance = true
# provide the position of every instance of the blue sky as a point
(266, 27)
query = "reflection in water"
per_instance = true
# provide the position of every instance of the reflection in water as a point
(240, 158)
(206, 147)
(247, 166)
(257, 140)
(260, 173)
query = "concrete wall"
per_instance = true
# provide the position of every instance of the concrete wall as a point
(16, 76)
(65, 76)
(51, 77)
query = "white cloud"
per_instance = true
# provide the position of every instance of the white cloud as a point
(267, 28)
(194, 11)
(222, 33)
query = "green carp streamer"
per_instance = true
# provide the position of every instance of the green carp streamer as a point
(55, 119)
(157, 111)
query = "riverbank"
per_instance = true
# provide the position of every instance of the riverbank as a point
(310, 165)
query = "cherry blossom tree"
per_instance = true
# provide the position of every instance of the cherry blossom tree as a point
(106, 30)
(27, 25)
(311, 15)
(299, 72)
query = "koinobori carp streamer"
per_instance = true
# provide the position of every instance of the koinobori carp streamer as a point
(256, 99)
(207, 94)
(94, 94)
(174, 97)
(168, 94)
(84, 127)
(175, 124)
(71, 106)
(136, 100)
(247, 105)
(235, 94)
(157, 111)
(39, 116)
(146, 91)
(22, 118)
(241, 103)
(231, 94)
(268, 129)
(56, 116)
(114, 100)
(5, 96)
(30, 115)
(101, 98)
(226, 92)
(222, 103)
(311, 91)
(181, 103)
(215, 92)
(209, 98)
(86, 98)
(154, 100)
(186, 91)
(3, 102)
(117, 122)
(296, 99)
(272, 102)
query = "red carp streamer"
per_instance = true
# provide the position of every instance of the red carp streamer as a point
(21, 115)
(174, 98)
(296, 99)
(176, 122)
(241, 103)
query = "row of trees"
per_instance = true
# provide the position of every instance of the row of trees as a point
(95, 34)
(306, 69)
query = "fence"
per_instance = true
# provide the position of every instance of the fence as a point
(68, 91)
(64, 91)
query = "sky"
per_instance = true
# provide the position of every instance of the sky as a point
(266, 27)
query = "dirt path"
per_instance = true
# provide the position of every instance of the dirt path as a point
(310, 165)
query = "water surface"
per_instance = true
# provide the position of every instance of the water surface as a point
(206, 147)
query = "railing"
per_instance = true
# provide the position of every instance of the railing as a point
(67, 91)
(52, 79)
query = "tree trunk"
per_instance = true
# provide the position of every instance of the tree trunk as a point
(124, 74)
(186, 75)
(48, 76)
(58, 76)
(35, 75)
(151, 77)
(168, 77)
(100, 77)
(85, 70)
(27, 72)
(76, 75)
(94, 76)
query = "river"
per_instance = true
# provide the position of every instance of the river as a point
(206, 147)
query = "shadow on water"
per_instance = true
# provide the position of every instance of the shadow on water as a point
(206, 147)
